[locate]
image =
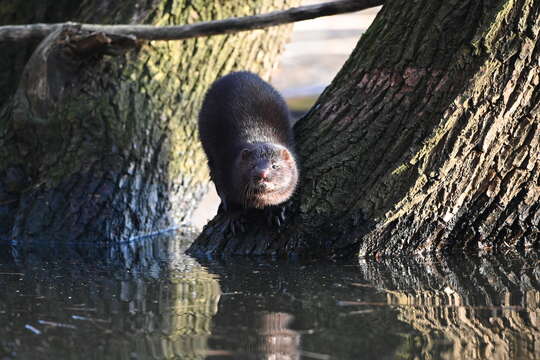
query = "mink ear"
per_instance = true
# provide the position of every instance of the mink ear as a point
(244, 154)
(285, 154)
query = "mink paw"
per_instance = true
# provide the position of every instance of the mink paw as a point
(234, 224)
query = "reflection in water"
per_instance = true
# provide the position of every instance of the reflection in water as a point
(276, 340)
(149, 301)
(472, 332)
(130, 302)
(267, 337)
(484, 308)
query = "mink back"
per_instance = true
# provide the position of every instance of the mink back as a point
(242, 108)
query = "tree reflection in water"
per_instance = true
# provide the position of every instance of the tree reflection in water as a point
(467, 308)
(147, 300)
(134, 301)
(459, 308)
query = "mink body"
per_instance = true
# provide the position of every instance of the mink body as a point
(246, 133)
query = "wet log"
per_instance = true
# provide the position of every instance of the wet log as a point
(17, 33)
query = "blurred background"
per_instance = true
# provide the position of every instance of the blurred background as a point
(317, 50)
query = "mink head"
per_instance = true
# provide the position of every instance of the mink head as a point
(265, 174)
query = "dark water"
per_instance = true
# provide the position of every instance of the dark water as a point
(149, 301)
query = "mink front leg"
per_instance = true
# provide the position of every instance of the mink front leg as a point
(275, 215)
(235, 221)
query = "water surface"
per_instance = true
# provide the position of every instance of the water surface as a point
(147, 300)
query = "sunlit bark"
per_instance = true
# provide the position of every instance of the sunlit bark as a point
(426, 141)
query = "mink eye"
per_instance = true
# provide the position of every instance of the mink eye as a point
(275, 166)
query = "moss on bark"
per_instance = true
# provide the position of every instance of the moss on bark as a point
(105, 148)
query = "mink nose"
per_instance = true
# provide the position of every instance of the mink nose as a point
(262, 174)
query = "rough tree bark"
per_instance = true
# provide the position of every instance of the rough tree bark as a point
(97, 147)
(426, 141)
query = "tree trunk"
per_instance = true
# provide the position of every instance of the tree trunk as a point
(96, 147)
(426, 141)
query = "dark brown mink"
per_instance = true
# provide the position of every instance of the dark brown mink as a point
(246, 132)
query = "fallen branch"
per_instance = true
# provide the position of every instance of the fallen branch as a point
(17, 33)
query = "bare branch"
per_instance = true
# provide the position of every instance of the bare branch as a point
(148, 32)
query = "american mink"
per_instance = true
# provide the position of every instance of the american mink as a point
(245, 130)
